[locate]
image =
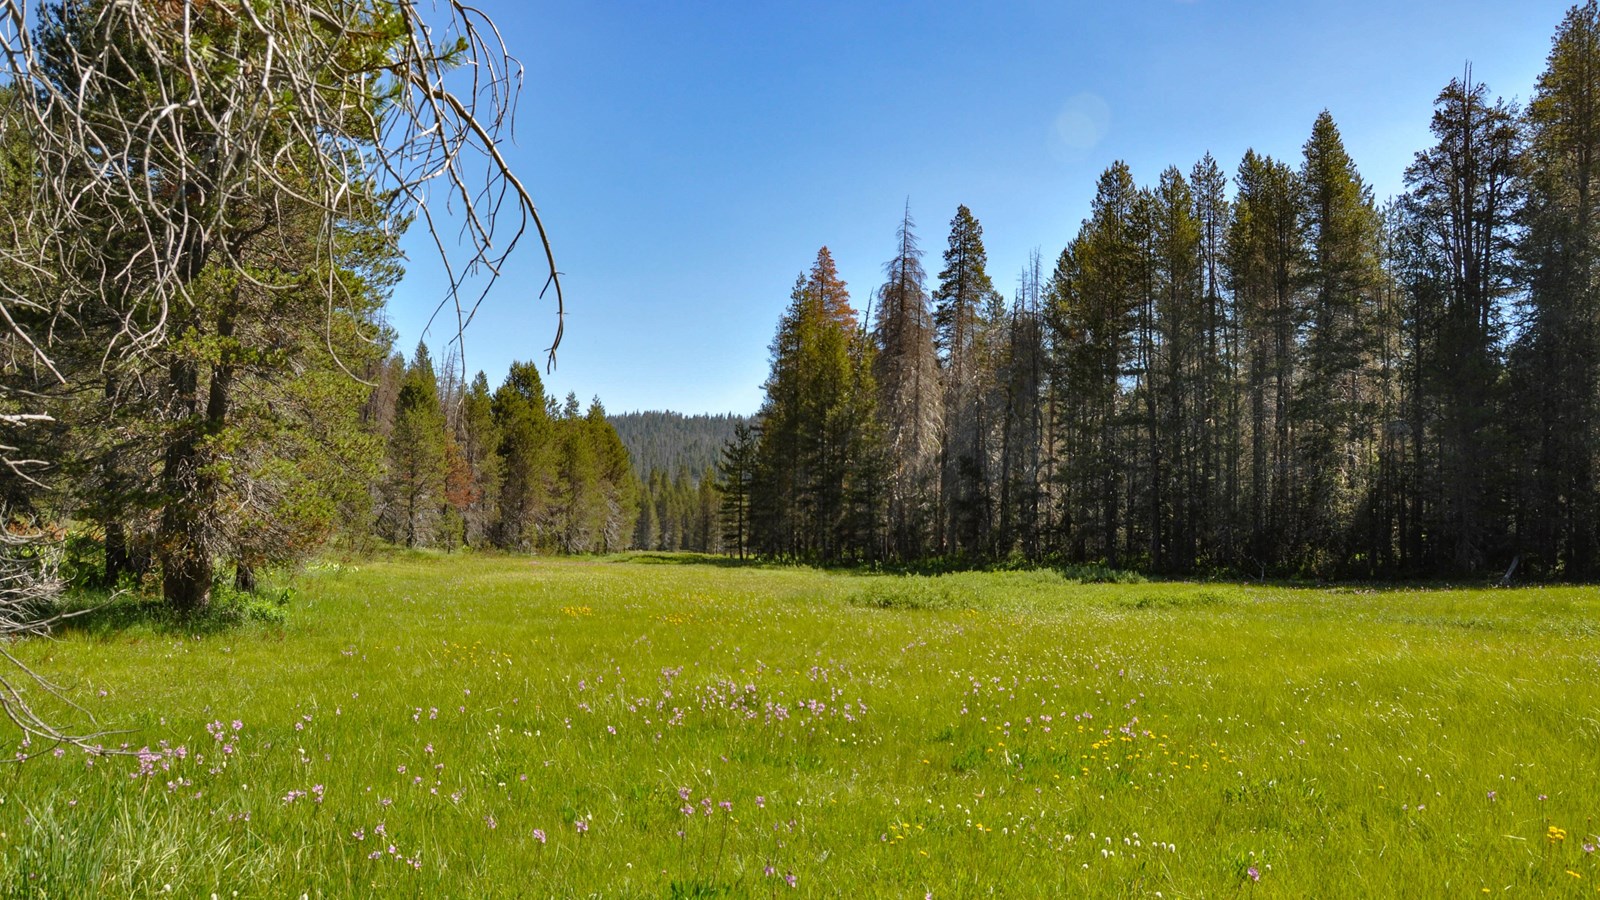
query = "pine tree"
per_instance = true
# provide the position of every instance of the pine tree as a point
(646, 532)
(480, 441)
(829, 294)
(810, 431)
(1385, 512)
(863, 531)
(1176, 378)
(707, 530)
(417, 461)
(460, 493)
(1221, 448)
(521, 416)
(578, 502)
(1334, 413)
(776, 526)
(910, 403)
(385, 374)
(1462, 199)
(1095, 290)
(211, 295)
(826, 441)
(736, 475)
(619, 486)
(960, 301)
(1266, 264)
(1019, 387)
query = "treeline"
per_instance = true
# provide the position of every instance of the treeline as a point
(1282, 378)
(512, 468)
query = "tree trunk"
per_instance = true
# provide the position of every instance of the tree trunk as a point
(117, 558)
(186, 567)
(186, 561)
(244, 577)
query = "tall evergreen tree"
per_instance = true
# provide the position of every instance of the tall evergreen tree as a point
(737, 471)
(964, 294)
(863, 531)
(803, 500)
(1266, 263)
(706, 533)
(1175, 378)
(619, 487)
(1221, 447)
(417, 461)
(910, 397)
(521, 417)
(1462, 198)
(777, 528)
(647, 531)
(1095, 291)
(480, 443)
(1334, 409)
(577, 503)
(1020, 387)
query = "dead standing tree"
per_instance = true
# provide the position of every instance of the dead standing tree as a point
(153, 145)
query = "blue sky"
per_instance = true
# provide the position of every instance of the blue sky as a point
(690, 158)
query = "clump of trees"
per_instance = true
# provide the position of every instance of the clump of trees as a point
(1282, 378)
(681, 498)
(513, 469)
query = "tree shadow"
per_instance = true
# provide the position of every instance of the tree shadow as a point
(686, 558)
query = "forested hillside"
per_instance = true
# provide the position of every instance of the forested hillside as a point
(672, 442)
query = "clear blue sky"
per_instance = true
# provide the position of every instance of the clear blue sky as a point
(690, 158)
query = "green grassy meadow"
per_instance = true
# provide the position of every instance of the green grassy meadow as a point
(671, 727)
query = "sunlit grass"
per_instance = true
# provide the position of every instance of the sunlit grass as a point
(477, 726)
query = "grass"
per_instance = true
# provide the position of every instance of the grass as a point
(412, 723)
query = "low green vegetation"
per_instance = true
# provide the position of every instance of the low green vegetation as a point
(665, 726)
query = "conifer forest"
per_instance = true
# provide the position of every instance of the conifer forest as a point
(1253, 367)
(1258, 370)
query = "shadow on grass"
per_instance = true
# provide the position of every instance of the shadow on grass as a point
(686, 558)
(104, 614)
(1084, 573)
(933, 566)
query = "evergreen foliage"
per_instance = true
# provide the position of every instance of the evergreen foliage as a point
(911, 397)
(964, 296)
(818, 486)
(418, 460)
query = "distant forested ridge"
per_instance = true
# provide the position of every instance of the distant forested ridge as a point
(672, 442)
